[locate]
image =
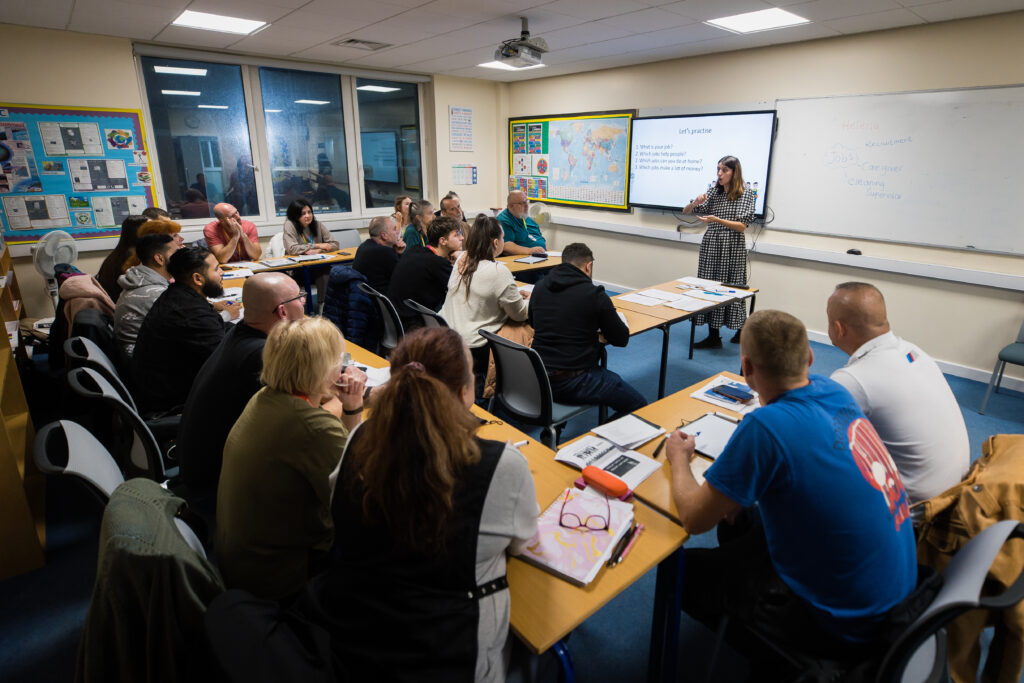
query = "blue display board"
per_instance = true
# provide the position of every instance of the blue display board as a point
(71, 168)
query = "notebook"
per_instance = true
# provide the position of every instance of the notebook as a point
(577, 555)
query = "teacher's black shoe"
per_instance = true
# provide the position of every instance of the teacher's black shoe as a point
(736, 337)
(712, 341)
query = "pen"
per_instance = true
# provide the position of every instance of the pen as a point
(632, 542)
(657, 451)
(520, 444)
(621, 545)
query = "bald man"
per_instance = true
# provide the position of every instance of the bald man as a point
(227, 381)
(522, 234)
(901, 390)
(230, 238)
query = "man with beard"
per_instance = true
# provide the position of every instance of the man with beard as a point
(180, 331)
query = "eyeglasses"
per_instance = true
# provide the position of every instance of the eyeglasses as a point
(301, 296)
(571, 520)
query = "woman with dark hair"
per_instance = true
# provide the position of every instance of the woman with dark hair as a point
(727, 209)
(421, 213)
(114, 264)
(482, 294)
(303, 233)
(424, 513)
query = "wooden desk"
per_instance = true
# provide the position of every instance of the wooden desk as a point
(545, 608)
(334, 258)
(510, 261)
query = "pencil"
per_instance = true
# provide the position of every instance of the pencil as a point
(632, 542)
(657, 451)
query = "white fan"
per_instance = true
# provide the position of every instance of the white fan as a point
(540, 214)
(55, 247)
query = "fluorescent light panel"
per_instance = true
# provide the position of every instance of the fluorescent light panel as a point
(762, 20)
(190, 93)
(312, 101)
(377, 88)
(211, 106)
(179, 70)
(218, 22)
(507, 67)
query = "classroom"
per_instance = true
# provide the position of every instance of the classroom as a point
(962, 306)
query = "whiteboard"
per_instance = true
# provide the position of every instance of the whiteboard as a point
(939, 168)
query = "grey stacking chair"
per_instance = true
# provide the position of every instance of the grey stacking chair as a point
(393, 330)
(430, 318)
(66, 447)
(1011, 353)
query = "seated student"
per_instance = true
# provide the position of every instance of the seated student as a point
(274, 497)
(304, 234)
(415, 479)
(226, 382)
(155, 226)
(422, 272)
(141, 286)
(835, 549)
(180, 331)
(401, 214)
(482, 293)
(377, 257)
(901, 390)
(230, 237)
(155, 213)
(420, 217)
(522, 234)
(570, 314)
(113, 265)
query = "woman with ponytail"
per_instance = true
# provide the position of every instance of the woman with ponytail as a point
(424, 513)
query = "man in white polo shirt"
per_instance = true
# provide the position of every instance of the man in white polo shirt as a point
(901, 390)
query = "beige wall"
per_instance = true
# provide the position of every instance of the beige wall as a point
(965, 325)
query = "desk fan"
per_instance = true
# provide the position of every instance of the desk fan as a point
(55, 247)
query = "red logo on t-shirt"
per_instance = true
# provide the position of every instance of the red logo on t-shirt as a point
(877, 467)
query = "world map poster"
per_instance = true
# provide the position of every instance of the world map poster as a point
(578, 159)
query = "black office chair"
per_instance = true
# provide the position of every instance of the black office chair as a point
(82, 352)
(430, 318)
(392, 324)
(523, 390)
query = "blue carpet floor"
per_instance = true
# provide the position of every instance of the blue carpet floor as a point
(41, 612)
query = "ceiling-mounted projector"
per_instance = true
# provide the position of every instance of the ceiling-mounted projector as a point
(522, 51)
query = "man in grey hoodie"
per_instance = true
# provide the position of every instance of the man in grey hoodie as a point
(141, 285)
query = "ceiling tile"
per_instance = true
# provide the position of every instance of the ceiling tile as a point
(283, 40)
(246, 9)
(114, 18)
(194, 37)
(646, 20)
(332, 54)
(702, 10)
(42, 13)
(457, 61)
(583, 34)
(356, 13)
(960, 9)
(826, 10)
(875, 22)
(594, 9)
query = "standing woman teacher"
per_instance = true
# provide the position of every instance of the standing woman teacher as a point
(727, 209)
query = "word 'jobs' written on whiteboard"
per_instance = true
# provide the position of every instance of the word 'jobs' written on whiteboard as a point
(933, 168)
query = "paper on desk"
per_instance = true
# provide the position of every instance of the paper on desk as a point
(308, 257)
(237, 273)
(698, 282)
(737, 293)
(230, 294)
(277, 262)
(705, 394)
(526, 288)
(710, 433)
(531, 259)
(636, 298)
(629, 431)
(554, 253)
(251, 265)
(377, 376)
(629, 466)
(660, 294)
(686, 303)
(709, 295)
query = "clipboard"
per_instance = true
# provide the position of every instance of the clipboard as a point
(711, 434)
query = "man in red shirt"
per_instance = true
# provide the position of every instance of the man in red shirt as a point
(230, 238)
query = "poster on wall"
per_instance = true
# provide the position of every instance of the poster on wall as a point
(67, 168)
(576, 159)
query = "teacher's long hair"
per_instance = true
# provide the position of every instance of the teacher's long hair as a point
(410, 453)
(735, 189)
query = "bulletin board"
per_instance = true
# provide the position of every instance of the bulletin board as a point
(71, 168)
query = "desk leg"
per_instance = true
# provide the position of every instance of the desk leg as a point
(309, 292)
(664, 359)
(753, 298)
(668, 594)
(693, 330)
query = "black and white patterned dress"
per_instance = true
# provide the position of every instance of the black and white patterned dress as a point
(723, 253)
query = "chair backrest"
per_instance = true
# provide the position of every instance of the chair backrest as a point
(201, 242)
(276, 247)
(347, 238)
(142, 457)
(919, 652)
(430, 318)
(521, 382)
(393, 330)
(66, 447)
(85, 353)
(1020, 334)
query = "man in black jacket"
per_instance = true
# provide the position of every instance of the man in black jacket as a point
(377, 257)
(570, 314)
(422, 273)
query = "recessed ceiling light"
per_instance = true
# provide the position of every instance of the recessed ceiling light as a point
(272, 111)
(377, 88)
(218, 22)
(506, 67)
(212, 106)
(762, 20)
(180, 70)
(190, 93)
(312, 101)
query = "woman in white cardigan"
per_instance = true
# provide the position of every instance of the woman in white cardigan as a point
(482, 293)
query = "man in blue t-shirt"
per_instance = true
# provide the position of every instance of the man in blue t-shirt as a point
(522, 234)
(834, 550)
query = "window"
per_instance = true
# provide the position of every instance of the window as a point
(389, 140)
(306, 139)
(202, 136)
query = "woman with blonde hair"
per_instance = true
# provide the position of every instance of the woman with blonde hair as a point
(273, 501)
(424, 514)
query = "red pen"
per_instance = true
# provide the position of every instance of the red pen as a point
(639, 530)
